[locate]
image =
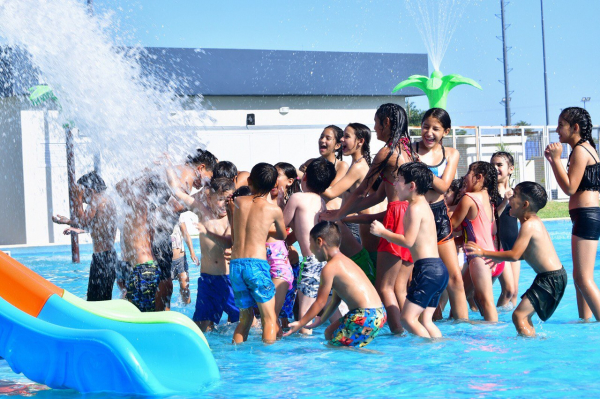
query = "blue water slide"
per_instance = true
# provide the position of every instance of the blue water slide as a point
(85, 360)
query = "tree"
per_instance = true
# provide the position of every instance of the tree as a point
(415, 115)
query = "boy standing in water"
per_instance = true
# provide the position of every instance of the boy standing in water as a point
(533, 245)
(349, 284)
(100, 220)
(253, 216)
(430, 276)
(301, 214)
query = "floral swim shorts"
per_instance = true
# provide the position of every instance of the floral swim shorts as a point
(359, 327)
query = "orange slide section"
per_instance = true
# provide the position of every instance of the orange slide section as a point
(23, 288)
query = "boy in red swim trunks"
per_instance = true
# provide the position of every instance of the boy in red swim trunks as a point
(349, 284)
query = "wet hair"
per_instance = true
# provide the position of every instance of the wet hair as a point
(225, 169)
(441, 115)
(243, 191)
(363, 132)
(577, 115)
(490, 177)
(158, 191)
(290, 172)
(202, 157)
(319, 175)
(532, 192)
(92, 181)
(328, 231)
(418, 173)
(506, 155)
(455, 187)
(338, 134)
(399, 136)
(263, 178)
(222, 184)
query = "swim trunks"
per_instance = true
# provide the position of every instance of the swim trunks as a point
(442, 221)
(546, 292)
(215, 296)
(359, 327)
(429, 280)
(586, 222)
(310, 276)
(251, 281)
(363, 260)
(142, 283)
(163, 255)
(287, 310)
(179, 266)
(277, 256)
(102, 276)
(393, 222)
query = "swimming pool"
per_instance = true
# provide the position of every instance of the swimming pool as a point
(473, 359)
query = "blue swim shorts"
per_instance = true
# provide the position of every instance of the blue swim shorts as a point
(215, 296)
(430, 278)
(251, 281)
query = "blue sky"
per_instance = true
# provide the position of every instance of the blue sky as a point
(572, 46)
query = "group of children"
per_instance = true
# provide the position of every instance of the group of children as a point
(389, 239)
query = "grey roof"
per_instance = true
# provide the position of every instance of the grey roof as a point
(230, 72)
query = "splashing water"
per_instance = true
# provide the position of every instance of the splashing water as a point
(125, 112)
(436, 21)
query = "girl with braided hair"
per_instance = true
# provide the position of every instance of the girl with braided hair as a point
(475, 213)
(430, 150)
(581, 181)
(391, 127)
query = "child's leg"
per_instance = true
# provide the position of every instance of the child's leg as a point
(428, 323)
(438, 314)
(516, 269)
(402, 282)
(281, 289)
(588, 295)
(163, 294)
(268, 318)
(243, 328)
(388, 267)
(331, 329)
(456, 289)
(184, 284)
(410, 319)
(482, 283)
(304, 303)
(469, 289)
(522, 318)
(507, 282)
(205, 325)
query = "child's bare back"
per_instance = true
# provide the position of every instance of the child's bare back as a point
(301, 214)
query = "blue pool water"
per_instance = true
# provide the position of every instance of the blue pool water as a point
(472, 360)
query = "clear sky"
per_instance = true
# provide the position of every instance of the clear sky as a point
(572, 45)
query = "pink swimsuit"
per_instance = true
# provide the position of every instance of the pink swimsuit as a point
(479, 231)
(277, 256)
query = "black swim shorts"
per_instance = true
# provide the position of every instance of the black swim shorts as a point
(102, 276)
(586, 222)
(442, 221)
(546, 292)
(429, 280)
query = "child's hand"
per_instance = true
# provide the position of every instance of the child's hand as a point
(201, 228)
(508, 194)
(553, 152)
(294, 327)
(377, 228)
(195, 259)
(70, 230)
(329, 216)
(58, 219)
(316, 323)
(472, 249)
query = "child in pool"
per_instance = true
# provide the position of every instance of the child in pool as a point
(301, 214)
(391, 126)
(581, 181)
(355, 143)
(180, 269)
(430, 275)
(348, 283)
(533, 245)
(330, 148)
(253, 217)
(508, 228)
(475, 212)
(443, 162)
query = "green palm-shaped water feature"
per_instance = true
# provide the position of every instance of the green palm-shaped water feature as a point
(436, 87)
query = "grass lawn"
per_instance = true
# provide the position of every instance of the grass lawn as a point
(555, 209)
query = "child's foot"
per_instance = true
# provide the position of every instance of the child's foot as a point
(305, 331)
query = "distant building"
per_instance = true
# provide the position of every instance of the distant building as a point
(263, 103)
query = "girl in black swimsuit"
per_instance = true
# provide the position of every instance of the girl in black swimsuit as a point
(582, 183)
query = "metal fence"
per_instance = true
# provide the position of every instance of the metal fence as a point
(525, 143)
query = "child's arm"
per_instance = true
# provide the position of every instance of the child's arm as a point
(290, 209)
(329, 310)
(291, 238)
(507, 195)
(359, 205)
(365, 218)
(461, 212)
(343, 184)
(568, 181)
(280, 233)
(320, 302)
(515, 254)
(442, 184)
(411, 230)
(188, 242)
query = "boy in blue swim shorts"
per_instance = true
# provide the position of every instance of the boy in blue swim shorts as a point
(430, 276)
(349, 284)
(252, 217)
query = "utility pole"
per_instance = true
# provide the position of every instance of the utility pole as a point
(72, 193)
(97, 158)
(507, 92)
(545, 73)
